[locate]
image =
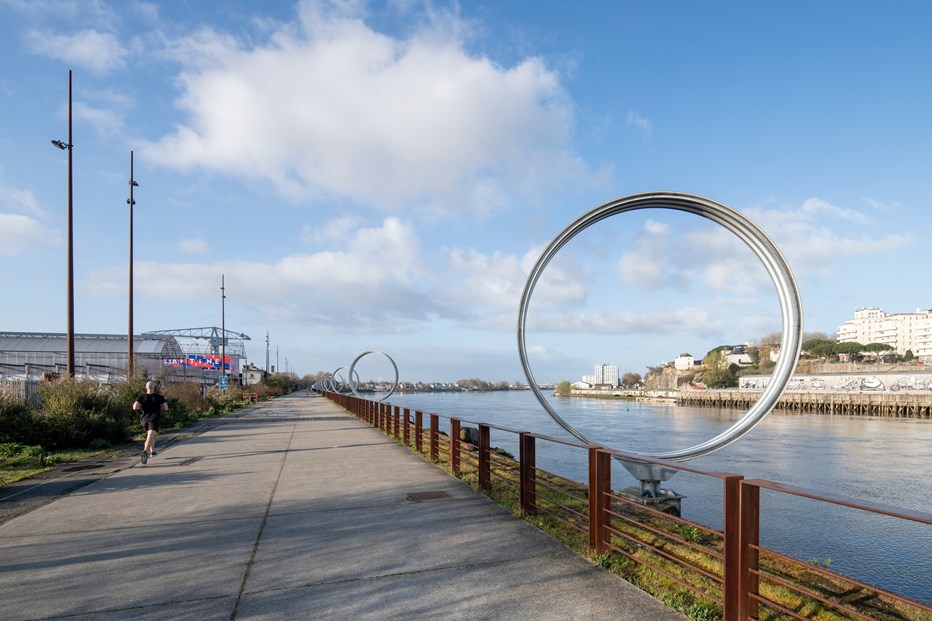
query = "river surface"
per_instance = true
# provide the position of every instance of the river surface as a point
(885, 461)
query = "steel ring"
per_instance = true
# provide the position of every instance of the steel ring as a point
(341, 385)
(755, 239)
(394, 368)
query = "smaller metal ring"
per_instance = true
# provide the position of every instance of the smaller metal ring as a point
(394, 368)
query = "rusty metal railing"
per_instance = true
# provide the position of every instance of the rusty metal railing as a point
(727, 568)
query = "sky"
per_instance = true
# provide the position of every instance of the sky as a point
(382, 176)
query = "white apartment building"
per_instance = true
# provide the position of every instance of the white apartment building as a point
(606, 374)
(684, 362)
(899, 331)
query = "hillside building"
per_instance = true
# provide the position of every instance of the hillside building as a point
(901, 332)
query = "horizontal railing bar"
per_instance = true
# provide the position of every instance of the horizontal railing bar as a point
(500, 477)
(775, 606)
(844, 501)
(667, 516)
(544, 483)
(692, 588)
(660, 533)
(571, 482)
(805, 593)
(582, 516)
(767, 552)
(675, 559)
(559, 518)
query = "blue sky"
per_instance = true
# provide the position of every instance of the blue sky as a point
(382, 176)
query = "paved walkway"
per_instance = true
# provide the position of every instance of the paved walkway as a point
(293, 509)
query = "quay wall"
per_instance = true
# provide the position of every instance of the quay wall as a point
(902, 405)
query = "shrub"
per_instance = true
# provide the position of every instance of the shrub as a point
(16, 423)
(71, 414)
(186, 396)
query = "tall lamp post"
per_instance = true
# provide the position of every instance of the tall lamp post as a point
(223, 329)
(132, 203)
(69, 146)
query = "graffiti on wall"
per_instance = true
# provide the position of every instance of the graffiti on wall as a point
(844, 383)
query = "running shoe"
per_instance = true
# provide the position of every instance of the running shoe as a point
(145, 458)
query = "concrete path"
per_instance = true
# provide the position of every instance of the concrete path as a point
(293, 509)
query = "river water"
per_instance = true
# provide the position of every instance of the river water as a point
(887, 461)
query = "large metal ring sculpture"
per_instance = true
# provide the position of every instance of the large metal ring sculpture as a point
(340, 385)
(394, 368)
(755, 239)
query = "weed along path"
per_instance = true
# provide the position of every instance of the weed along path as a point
(294, 509)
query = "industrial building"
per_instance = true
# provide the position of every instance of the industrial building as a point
(191, 354)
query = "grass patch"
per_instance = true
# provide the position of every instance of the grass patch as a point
(21, 461)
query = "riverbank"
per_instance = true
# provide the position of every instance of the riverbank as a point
(885, 405)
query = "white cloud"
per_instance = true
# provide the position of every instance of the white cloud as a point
(332, 108)
(193, 245)
(693, 320)
(817, 236)
(21, 235)
(492, 284)
(642, 124)
(99, 52)
(375, 283)
(108, 123)
(332, 232)
(19, 200)
(818, 207)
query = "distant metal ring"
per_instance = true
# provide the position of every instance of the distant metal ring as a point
(394, 367)
(339, 384)
(756, 240)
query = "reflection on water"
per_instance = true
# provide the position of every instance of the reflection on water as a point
(879, 460)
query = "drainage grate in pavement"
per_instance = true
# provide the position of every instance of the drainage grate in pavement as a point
(426, 496)
(189, 461)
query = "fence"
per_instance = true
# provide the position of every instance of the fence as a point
(726, 570)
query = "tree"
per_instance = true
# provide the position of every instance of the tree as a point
(631, 380)
(876, 347)
(771, 339)
(564, 388)
(850, 347)
(908, 355)
(824, 350)
(718, 373)
(810, 345)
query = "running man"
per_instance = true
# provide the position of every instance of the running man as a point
(151, 405)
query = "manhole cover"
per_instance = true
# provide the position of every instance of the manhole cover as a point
(425, 496)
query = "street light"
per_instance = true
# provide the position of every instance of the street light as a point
(223, 329)
(69, 146)
(131, 203)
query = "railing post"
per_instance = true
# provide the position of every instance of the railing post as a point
(405, 433)
(397, 422)
(455, 445)
(749, 499)
(383, 418)
(528, 457)
(418, 430)
(731, 572)
(600, 484)
(434, 437)
(485, 470)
